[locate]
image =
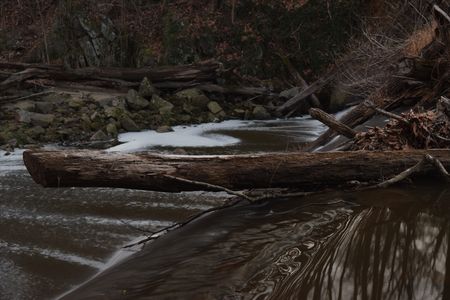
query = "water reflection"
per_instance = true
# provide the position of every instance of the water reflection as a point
(395, 252)
(393, 245)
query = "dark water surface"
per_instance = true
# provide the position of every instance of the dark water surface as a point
(384, 244)
(388, 244)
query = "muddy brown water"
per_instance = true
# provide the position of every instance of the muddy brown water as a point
(384, 244)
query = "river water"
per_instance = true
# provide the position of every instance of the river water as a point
(382, 244)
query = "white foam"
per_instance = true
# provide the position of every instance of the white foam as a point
(182, 136)
(206, 135)
(11, 162)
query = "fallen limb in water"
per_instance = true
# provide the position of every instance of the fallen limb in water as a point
(301, 171)
(332, 123)
(427, 159)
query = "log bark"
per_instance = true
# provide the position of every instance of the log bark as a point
(306, 171)
(310, 90)
(205, 71)
(331, 122)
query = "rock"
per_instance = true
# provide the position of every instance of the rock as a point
(108, 30)
(99, 136)
(44, 107)
(260, 113)
(239, 112)
(23, 116)
(43, 120)
(195, 97)
(135, 101)
(114, 112)
(184, 118)
(26, 106)
(180, 151)
(128, 124)
(90, 54)
(8, 148)
(210, 118)
(164, 129)
(146, 89)
(76, 103)
(94, 116)
(36, 119)
(111, 129)
(119, 102)
(103, 101)
(35, 132)
(215, 108)
(161, 105)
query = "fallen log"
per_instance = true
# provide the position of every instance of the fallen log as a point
(305, 171)
(332, 123)
(308, 91)
(201, 72)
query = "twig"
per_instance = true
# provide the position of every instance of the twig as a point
(414, 169)
(15, 98)
(441, 11)
(434, 161)
(160, 232)
(212, 186)
(386, 113)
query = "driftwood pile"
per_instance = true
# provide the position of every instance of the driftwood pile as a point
(412, 130)
(422, 86)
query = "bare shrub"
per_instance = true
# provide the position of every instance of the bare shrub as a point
(402, 31)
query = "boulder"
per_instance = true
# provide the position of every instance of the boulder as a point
(26, 105)
(146, 89)
(43, 120)
(194, 96)
(36, 119)
(23, 116)
(128, 124)
(99, 136)
(260, 113)
(35, 132)
(76, 103)
(114, 112)
(44, 107)
(159, 104)
(164, 129)
(111, 129)
(215, 108)
(135, 101)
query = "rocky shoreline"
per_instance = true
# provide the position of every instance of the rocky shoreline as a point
(94, 119)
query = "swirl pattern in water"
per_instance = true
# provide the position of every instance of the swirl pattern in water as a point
(393, 244)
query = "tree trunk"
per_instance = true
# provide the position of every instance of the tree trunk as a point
(306, 171)
(198, 73)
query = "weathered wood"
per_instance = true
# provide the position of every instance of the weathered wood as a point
(331, 122)
(311, 89)
(306, 171)
(201, 72)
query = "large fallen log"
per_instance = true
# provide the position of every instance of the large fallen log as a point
(201, 72)
(306, 171)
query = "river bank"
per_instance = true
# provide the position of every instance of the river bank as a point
(94, 119)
